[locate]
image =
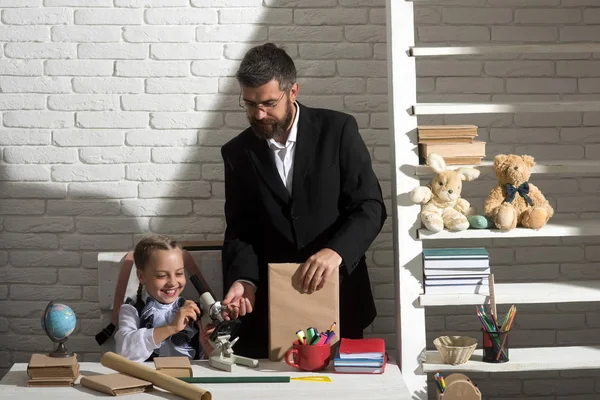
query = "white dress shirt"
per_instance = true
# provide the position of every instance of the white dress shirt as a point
(283, 154)
(284, 161)
(133, 342)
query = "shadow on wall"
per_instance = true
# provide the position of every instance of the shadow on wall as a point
(106, 188)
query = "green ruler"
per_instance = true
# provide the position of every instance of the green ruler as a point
(254, 379)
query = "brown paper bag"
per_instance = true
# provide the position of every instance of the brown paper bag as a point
(115, 384)
(291, 310)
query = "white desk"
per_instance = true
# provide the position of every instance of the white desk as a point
(386, 386)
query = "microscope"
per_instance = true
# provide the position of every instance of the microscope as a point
(222, 356)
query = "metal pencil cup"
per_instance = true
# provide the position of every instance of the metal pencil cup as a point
(495, 346)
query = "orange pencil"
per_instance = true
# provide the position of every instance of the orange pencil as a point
(506, 328)
(331, 328)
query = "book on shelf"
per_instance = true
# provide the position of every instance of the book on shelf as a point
(481, 280)
(462, 160)
(459, 270)
(456, 273)
(442, 141)
(446, 131)
(474, 149)
(455, 252)
(467, 161)
(453, 142)
(458, 289)
(457, 262)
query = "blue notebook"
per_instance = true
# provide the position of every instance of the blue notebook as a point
(465, 252)
(358, 362)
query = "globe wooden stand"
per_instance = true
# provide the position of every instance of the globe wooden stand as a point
(61, 351)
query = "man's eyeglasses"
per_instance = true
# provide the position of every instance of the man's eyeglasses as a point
(266, 106)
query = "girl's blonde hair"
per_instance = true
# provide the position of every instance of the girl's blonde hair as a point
(148, 245)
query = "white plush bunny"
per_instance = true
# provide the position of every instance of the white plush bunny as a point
(442, 205)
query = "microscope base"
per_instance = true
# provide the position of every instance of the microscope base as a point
(228, 363)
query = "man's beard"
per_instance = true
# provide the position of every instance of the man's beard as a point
(273, 127)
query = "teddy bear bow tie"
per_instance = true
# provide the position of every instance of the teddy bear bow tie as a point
(523, 190)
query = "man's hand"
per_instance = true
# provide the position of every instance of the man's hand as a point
(205, 332)
(317, 269)
(239, 300)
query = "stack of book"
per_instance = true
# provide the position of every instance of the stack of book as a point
(360, 356)
(453, 142)
(52, 371)
(456, 270)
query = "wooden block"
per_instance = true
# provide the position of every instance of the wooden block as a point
(459, 387)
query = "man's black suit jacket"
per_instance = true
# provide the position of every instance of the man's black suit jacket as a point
(336, 203)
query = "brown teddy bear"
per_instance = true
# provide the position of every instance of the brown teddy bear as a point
(442, 205)
(514, 201)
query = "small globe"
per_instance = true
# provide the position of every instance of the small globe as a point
(58, 321)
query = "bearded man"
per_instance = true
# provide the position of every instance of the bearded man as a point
(299, 187)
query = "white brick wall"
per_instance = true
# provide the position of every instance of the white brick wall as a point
(113, 113)
(533, 77)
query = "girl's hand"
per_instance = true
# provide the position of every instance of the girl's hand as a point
(188, 312)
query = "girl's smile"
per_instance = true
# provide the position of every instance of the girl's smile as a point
(164, 276)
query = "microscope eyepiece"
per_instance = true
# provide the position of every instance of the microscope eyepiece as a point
(197, 284)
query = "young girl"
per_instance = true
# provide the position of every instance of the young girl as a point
(159, 323)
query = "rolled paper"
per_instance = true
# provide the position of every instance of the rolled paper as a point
(166, 382)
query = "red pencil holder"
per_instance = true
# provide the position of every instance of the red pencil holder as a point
(307, 357)
(495, 346)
